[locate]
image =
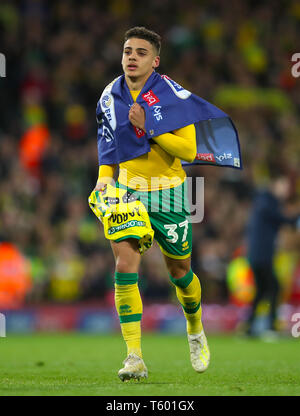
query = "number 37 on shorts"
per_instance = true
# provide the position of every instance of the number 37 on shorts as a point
(177, 239)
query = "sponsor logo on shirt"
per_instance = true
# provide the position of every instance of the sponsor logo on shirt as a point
(119, 218)
(150, 98)
(157, 112)
(206, 157)
(224, 156)
(139, 132)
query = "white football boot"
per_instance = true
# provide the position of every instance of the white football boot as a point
(199, 350)
(134, 367)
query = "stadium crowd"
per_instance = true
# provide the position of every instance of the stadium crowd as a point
(60, 56)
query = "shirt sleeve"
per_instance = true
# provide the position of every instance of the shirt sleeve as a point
(180, 143)
(106, 173)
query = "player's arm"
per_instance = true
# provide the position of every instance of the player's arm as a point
(105, 176)
(181, 143)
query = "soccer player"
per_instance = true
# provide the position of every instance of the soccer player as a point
(172, 230)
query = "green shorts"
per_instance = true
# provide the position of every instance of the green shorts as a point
(169, 214)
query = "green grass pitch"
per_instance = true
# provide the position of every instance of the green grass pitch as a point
(82, 364)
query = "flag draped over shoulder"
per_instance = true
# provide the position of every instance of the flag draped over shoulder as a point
(168, 107)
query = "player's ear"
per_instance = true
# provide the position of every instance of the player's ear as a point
(156, 62)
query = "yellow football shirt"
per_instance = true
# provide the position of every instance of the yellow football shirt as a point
(159, 168)
(156, 169)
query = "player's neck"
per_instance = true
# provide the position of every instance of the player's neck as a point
(136, 83)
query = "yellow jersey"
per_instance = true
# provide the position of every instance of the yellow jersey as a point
(157, 169)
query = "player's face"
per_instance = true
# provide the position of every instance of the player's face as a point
(139, 58)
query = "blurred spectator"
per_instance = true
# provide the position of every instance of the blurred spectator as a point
(265, 221)
(15, 280)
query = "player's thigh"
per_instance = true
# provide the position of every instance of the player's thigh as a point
(173, 233)
(127, 255)
(171, 224)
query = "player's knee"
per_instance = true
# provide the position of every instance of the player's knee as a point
(178, 268)
(124, 265)
(178, 271)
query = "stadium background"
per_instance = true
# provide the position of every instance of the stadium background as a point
(56, 267)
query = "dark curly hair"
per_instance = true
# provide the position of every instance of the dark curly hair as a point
(141, 32)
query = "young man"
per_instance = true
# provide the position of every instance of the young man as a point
(156, 176)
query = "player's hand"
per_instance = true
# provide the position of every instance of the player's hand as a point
(137, 116)
(97, 203)
(100, 186)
